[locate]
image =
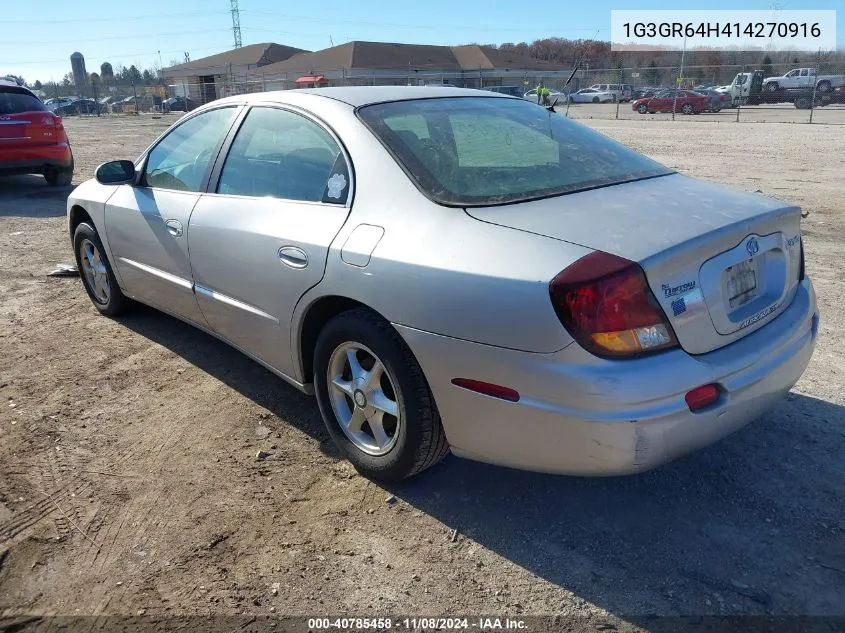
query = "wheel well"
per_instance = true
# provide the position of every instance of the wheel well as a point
(78, 215)
(320, 313)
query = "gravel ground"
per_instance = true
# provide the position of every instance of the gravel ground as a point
(129, 481)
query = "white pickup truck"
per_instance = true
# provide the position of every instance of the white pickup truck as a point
(803, 78)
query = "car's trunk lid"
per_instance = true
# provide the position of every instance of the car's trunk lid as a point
(27, 129)
(722, 263)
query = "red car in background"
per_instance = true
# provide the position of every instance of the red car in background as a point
(32, 139)
(685, 101)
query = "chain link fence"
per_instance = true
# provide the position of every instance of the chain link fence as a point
(808, 97)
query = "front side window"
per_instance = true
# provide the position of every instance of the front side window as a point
(792, 73)
(181, 158)
(487, 150)
(282, 154)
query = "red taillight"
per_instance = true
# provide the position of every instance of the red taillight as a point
(487, 388)
(702, 397)
(61, 135)
(605, 303)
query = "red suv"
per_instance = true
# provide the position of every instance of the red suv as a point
(32, 139)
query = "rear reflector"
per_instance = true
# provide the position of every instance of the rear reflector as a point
(702, 397)
(487, 388)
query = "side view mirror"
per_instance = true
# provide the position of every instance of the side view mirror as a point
(551, 108)
(116, 172)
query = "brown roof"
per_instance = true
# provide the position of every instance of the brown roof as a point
(391, 56)
(250, 55)
(475, 57)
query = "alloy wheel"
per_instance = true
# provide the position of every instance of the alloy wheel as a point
(95, 272)
(363, 398)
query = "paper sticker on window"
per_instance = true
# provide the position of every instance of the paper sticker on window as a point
(336, 185)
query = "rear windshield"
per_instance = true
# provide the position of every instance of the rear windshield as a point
(477, 151)
(16, 100)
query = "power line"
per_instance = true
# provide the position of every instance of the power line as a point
(116, 37)
(112, 19)
(438, 27)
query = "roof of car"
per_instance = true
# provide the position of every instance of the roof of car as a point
(357, 96)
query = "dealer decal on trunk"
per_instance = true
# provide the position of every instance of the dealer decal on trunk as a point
(671, 291)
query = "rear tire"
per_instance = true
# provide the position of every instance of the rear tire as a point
(412, 439)
(772, 86)
(96, 272)
(58, 177)
(595, 99)
(824, 86)
(688, 109)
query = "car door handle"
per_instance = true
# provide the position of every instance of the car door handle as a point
(293, 256)
(174, 227)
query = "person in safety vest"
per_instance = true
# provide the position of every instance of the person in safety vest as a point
(543, 94)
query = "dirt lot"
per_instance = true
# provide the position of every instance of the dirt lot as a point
(129, 481)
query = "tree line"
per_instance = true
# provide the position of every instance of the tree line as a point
(662, 67)
(120, 79)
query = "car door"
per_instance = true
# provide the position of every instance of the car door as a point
(662, 101)
(147, 222)
(260, 238)
(791, 79)
(806, 78)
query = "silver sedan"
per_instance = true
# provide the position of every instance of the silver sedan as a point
(452, 269)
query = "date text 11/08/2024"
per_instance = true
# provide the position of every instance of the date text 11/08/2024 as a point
(413, 624)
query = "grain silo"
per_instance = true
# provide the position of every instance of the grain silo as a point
(80, 77)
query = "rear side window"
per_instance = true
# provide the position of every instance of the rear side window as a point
(282, 154)
(477, 151)
(16, 101)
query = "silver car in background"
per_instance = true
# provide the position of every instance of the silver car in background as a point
(591, 95)
(448, 268)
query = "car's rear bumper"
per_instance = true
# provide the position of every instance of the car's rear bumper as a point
(578, 414)
(31, 160)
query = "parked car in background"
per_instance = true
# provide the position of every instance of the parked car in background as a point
(591, 95)
(81, 106)
(644, 91)
(685, 101)
(513, 91)
(718, 100)
(649, 314)
(531, 95)
(59, 102)
(179, 104)
(32, 139)
(620, 92)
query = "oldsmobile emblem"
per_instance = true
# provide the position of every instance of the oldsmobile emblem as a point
(752, 246)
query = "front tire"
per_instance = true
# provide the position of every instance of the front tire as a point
(642, 108)
(688, 109)
(374, 399)
(96, 272)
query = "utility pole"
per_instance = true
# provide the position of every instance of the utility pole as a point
(236, 22)
(679, 79)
